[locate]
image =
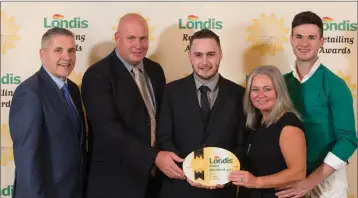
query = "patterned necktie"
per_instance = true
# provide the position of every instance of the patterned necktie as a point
(143, 88)
(204, 104)
(70, 105)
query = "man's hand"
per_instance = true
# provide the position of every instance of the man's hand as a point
(296, 190)
(165, 161)
(301, 188)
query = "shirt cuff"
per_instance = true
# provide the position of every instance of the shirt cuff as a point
(334, 161)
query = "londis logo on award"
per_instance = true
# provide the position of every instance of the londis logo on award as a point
(330, 25)
(218, 160)
(193, 22)
(59, 20)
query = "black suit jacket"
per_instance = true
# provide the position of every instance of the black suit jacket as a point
(181, 130)
(49, 151)
(119, 128)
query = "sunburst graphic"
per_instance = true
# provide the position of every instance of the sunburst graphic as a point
(351, 196)
(347, 79)
(268, 34)
(6, 146)
(151, 27)
(8, 32)
(76, 77)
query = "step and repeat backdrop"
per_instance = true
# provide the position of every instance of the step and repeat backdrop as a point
(252, 34)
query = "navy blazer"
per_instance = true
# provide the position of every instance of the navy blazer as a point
(49, 151)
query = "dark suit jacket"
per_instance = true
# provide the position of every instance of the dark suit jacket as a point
(119, 128)
(181, 130)
(49, 151)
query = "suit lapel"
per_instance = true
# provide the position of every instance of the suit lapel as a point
(125, 89)
(152, 80)
(218, 106)
(55, 96)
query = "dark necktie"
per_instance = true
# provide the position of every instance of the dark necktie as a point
(71, 107)
(204, 104)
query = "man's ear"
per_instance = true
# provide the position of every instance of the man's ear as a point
(42, 54)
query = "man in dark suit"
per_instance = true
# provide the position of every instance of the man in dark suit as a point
(47, 126)
(201, 110)
(121, 94)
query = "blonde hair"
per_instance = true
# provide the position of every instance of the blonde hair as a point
(283, 102)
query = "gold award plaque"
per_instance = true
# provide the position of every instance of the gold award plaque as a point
(210, 166)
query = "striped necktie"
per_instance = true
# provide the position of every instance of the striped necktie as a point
(144, 90)
(71, 106)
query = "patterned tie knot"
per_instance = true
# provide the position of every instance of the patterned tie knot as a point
(65, 89)
(204, 89)
(136, 71)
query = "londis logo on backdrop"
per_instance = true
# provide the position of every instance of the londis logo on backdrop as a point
(330, 25)
(333, 43)
(193, 22)
(7, 91)
(10, 78)
(7, 191)
(59, 20)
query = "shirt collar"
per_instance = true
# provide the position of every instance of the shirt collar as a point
(310, 74)
(212, 83)
(129, 67)
(59, 82)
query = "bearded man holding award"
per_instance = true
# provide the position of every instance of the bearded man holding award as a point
(201, 120)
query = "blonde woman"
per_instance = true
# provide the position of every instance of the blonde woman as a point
(276, 152)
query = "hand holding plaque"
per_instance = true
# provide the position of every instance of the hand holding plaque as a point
(210, 166)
